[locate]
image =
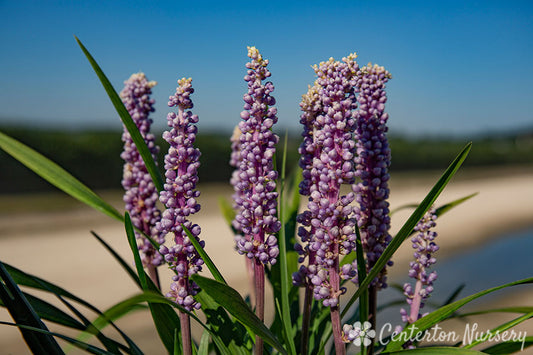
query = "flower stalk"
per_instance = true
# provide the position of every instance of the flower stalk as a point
(372, 166)
(235, 161)
(255, 198)
(328, 230)
(180, 198)
(372, 163)
(425, 247)
(140, 192)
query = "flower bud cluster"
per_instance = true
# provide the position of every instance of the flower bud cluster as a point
(328, 149)
(180, 196)
(372, 166)
(425, 248)
(311, 107)
(140, 192)
(235, 161)
(255, 197)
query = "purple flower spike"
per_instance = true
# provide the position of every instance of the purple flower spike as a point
(372, 166)
(141, 193)
(235, 161)
(255, 197)
(327, 154)
(180, 196)
(425, 248)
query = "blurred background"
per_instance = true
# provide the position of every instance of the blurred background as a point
(461, 72)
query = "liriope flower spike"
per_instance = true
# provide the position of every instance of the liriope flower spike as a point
(255, 183)
(255, 197)
(311, 107)
(372, 166)
(425, 248)
(235, 161)
(328, 229)
(327, 162)
(141, 194)
(180, 194)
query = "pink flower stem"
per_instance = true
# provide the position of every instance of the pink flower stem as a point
(334, 280)
(337, 331)
(185, 323)
(415, 304)
(259, 269)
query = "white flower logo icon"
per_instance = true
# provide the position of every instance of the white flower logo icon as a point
(362, 334)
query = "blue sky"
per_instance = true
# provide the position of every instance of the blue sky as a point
(459, 67)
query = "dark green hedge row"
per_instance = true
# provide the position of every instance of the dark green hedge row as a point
(94, 156)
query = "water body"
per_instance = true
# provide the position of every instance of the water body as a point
(502, 260)
(505, 259)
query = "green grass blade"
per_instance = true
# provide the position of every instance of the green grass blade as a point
(523, 309)
(453, 295)
(227, 212)
(23, 314)
(361, 272)
(123, 307)
(151, 297)
(130, 233)
(288, 204)
(32, 281)
(442, 313)
(207, 260)
(165, 318)
(348, 259)
(440, 210)
(126, 119)
(445, 208)
(501, 328)
(232, 335)
(509, 347)
(177, 349)
(403, 207)
(406, 229)
(232, 301)
(50, 312)
(117, 257)
(291, 210)
(79, 344)
(55, 175)
(320, 330)
(35, 282)
(203, 347)
(109, 344)
(283, 272)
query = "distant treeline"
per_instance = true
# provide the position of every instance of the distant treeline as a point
(94, 156)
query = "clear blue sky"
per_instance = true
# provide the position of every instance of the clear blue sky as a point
(459, 67)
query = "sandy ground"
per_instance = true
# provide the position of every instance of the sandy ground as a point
(57, 246)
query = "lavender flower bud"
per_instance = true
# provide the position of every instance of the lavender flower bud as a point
(372, 165)
(140, 192)
(180, 196)
(254, 181)
(424, 246)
